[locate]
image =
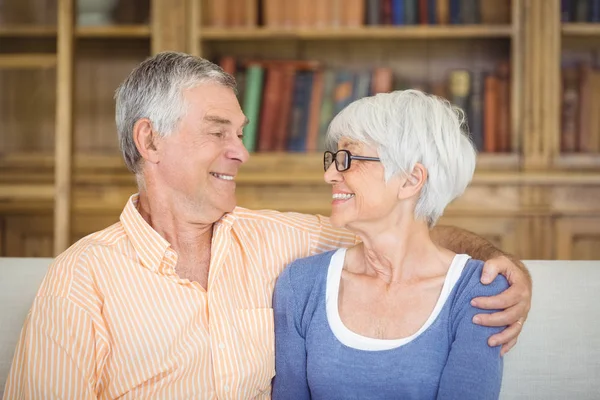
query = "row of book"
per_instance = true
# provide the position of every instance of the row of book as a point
(290, 103)
(355, 13)
(580, 105)
(580, 10)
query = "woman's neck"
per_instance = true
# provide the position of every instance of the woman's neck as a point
(400, 253)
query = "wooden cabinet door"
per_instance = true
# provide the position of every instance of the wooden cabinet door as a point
(502, 232)
(577, 238)
(32, 235)
(29, 236)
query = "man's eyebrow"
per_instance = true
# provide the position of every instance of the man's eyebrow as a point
(217, 120)
(223, 121)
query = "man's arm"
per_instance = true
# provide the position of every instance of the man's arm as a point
(56, 356)
(515, 301)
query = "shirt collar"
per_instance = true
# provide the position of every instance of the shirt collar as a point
(148, 243)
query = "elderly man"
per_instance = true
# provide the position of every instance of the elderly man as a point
(174, 300)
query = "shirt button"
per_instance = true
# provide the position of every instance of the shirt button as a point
(226, 388)
(221, 346)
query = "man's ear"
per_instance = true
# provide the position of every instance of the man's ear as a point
(146, 140)
(413, 182)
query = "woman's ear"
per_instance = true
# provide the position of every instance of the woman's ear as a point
(413, 182)
(146, 140)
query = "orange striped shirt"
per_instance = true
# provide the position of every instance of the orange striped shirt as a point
(112, 319)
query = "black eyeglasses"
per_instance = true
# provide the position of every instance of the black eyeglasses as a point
(343, 159)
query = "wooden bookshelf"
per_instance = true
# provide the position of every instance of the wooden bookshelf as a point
(522, 201)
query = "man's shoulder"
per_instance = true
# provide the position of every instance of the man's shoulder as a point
(102, 239)
(75, 261)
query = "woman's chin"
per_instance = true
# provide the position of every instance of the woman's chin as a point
(338, 221)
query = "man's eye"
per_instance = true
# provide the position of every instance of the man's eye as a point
(217, 134)
(240, 137)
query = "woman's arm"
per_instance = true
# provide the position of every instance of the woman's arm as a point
(473, 369)
(290, 380)
(515, 301)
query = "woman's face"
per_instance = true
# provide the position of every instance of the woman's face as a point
(360, 195)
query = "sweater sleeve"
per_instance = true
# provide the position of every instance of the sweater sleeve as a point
(473, 369)
(290, 380)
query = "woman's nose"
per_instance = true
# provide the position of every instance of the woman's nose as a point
(332, 175)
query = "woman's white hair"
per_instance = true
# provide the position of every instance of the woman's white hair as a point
(408, 127)
(154, 90)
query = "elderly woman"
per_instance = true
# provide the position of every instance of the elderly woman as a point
(389, 318)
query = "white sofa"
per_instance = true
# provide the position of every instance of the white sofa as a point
(557, 357)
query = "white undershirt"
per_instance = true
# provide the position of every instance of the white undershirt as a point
(354, 340)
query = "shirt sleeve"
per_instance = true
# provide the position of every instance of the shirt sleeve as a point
(473, 369)
(59, 354)
(328, 238)
(290, 380)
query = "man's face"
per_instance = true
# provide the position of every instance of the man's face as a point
(199, 162)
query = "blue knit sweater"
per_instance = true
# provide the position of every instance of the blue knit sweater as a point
(449, 358)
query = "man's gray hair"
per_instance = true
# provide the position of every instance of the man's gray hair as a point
(408, 127)
(154, 90)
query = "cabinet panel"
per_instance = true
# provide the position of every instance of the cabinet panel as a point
(577, 238)
(502, 232)
(32, 235)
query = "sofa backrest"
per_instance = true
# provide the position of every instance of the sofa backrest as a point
(557, 357)
(20, 279)
(558, 352)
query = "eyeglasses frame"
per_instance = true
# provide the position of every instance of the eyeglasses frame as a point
(349, 157)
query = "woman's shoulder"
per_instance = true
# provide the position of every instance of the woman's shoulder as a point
(469, 285)
(303, 273)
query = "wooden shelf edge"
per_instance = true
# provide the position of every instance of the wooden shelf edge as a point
(578, 161)
(103, 31)
(366, 32)
(27, 60)
(113, 31)
(580, 29)
(27, 30)
(26, 192)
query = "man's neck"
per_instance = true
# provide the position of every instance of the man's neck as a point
(190, 238)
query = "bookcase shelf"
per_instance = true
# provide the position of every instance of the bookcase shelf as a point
(115, 31)
(27, 30)
(366, 33)
(110, 31)
(27, 61)
(580, 29)
(578, 161)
